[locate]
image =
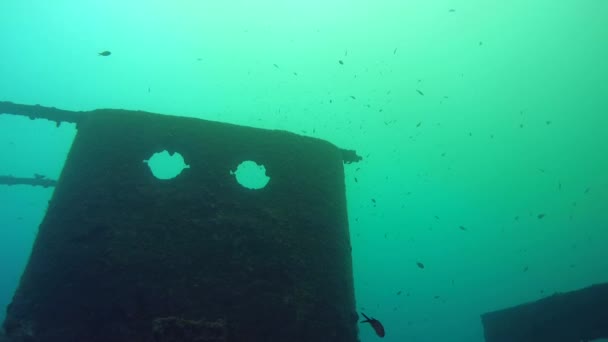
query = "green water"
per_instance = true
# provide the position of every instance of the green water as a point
(480, 114)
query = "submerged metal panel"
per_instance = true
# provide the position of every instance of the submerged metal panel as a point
(575, 316)
(123, 256)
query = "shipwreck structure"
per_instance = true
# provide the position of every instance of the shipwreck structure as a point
(123, 256)
(576, 316)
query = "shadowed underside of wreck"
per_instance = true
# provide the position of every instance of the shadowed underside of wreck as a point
(575, 316)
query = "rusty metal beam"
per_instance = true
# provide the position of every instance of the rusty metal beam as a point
(41, 112)
(37, 180)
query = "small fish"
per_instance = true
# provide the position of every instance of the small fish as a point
(420, 92)
(398, 293)
(395, 51)
(352, 97)
(452, 10)
(341, 62)
(420, 265)
(105, 53)
(462, 228)
(376, 325)
(420, 123)
(540, 216)
(275, 65)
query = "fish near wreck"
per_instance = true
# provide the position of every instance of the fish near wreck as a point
(376, 325)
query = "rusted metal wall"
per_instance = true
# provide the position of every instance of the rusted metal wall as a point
(123, 256)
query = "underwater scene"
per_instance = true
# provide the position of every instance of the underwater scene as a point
(440, 168)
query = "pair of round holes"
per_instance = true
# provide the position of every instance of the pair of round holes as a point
(164, 165)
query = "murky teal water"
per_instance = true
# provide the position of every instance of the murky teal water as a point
(482, 125)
